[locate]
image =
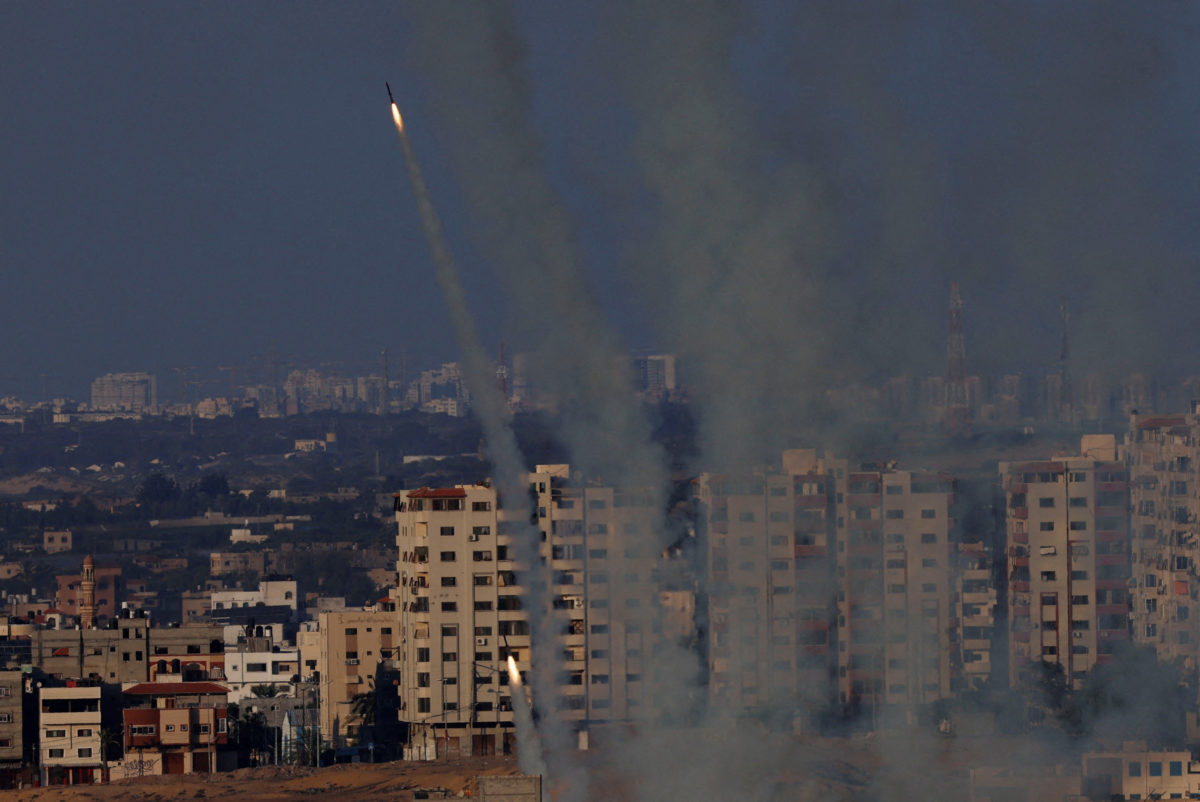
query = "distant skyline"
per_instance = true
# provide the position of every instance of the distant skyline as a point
(197, 185)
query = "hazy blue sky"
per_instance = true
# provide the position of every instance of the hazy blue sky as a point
(195, 184)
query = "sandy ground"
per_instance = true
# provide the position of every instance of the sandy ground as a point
(896, 768)
(361, 782)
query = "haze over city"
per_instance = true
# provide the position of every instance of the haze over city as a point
(629, 401)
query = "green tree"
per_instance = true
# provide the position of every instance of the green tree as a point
(266, 690)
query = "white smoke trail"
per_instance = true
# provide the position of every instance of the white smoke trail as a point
(492, 412)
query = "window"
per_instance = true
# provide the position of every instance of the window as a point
(895, 515)
(1046, 501)
(222, 725)
(483, 605)
(1049, 576)
(351, 631)
(56, 733)
(449, 657)
(5, 718)
(1078, 501)
(142, 729)
(1046, 526)
(482, 556)
(422, 705)
(1175, 768)
(1135, 769)
(423, 654)
(447, 556)
(928, 537)
(56, 753)
(84, 733)
(1155, 768)
(449, 607)
(449, 581)
(482, 579)
(481, 506)
(477, 531)
(447, 531)
(927, 514)
(170, 728)
(205, 729)
(449, 630)
(259, 667)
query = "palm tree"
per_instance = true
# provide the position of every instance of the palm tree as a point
(108, 739)
(267, 690)
(363, 705)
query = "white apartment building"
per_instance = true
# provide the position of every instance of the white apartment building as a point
(270, 593)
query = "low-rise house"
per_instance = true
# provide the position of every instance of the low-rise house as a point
(1138, 773)
(176, 728)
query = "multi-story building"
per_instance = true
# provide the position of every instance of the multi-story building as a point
(55, 541)
(1068, 562)
(272, 591)
(1163, 455)
(69, 735)
(355, 648)
(897, 624)
(12, 728)
(128, 392)
(224, 563)
(449, 613)
(128, 650)
(771, 587)
(176, 728)
(246, 668)
(460, 607)
(797, 624)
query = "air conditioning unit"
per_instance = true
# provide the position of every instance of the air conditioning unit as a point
(351, 661)
(473, 537)
(1077, 634)
(481, 641)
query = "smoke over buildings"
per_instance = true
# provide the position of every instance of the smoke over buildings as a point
(814, 177)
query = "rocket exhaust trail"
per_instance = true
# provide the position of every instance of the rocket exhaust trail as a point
(506, 455)
(529, 746)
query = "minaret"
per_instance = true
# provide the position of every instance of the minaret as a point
(958, 411)
(87, 594)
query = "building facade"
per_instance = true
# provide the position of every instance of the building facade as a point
(1068, 563)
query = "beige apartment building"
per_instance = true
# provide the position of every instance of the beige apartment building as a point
(897, 623)
(353, 650)
(1163, 456)
(461, 612)
(455, 621)
(831, 586)
(12, 733)
(1068, 563)
(771, 587)
(69, 735)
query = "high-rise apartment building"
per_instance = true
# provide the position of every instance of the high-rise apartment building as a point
(1163, 455)
(897, 579)
(125, 392)
(1068, 562)
(834, 587)
(770, 588)
(463, 608)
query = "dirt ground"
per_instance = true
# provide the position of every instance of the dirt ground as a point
(362, 782)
